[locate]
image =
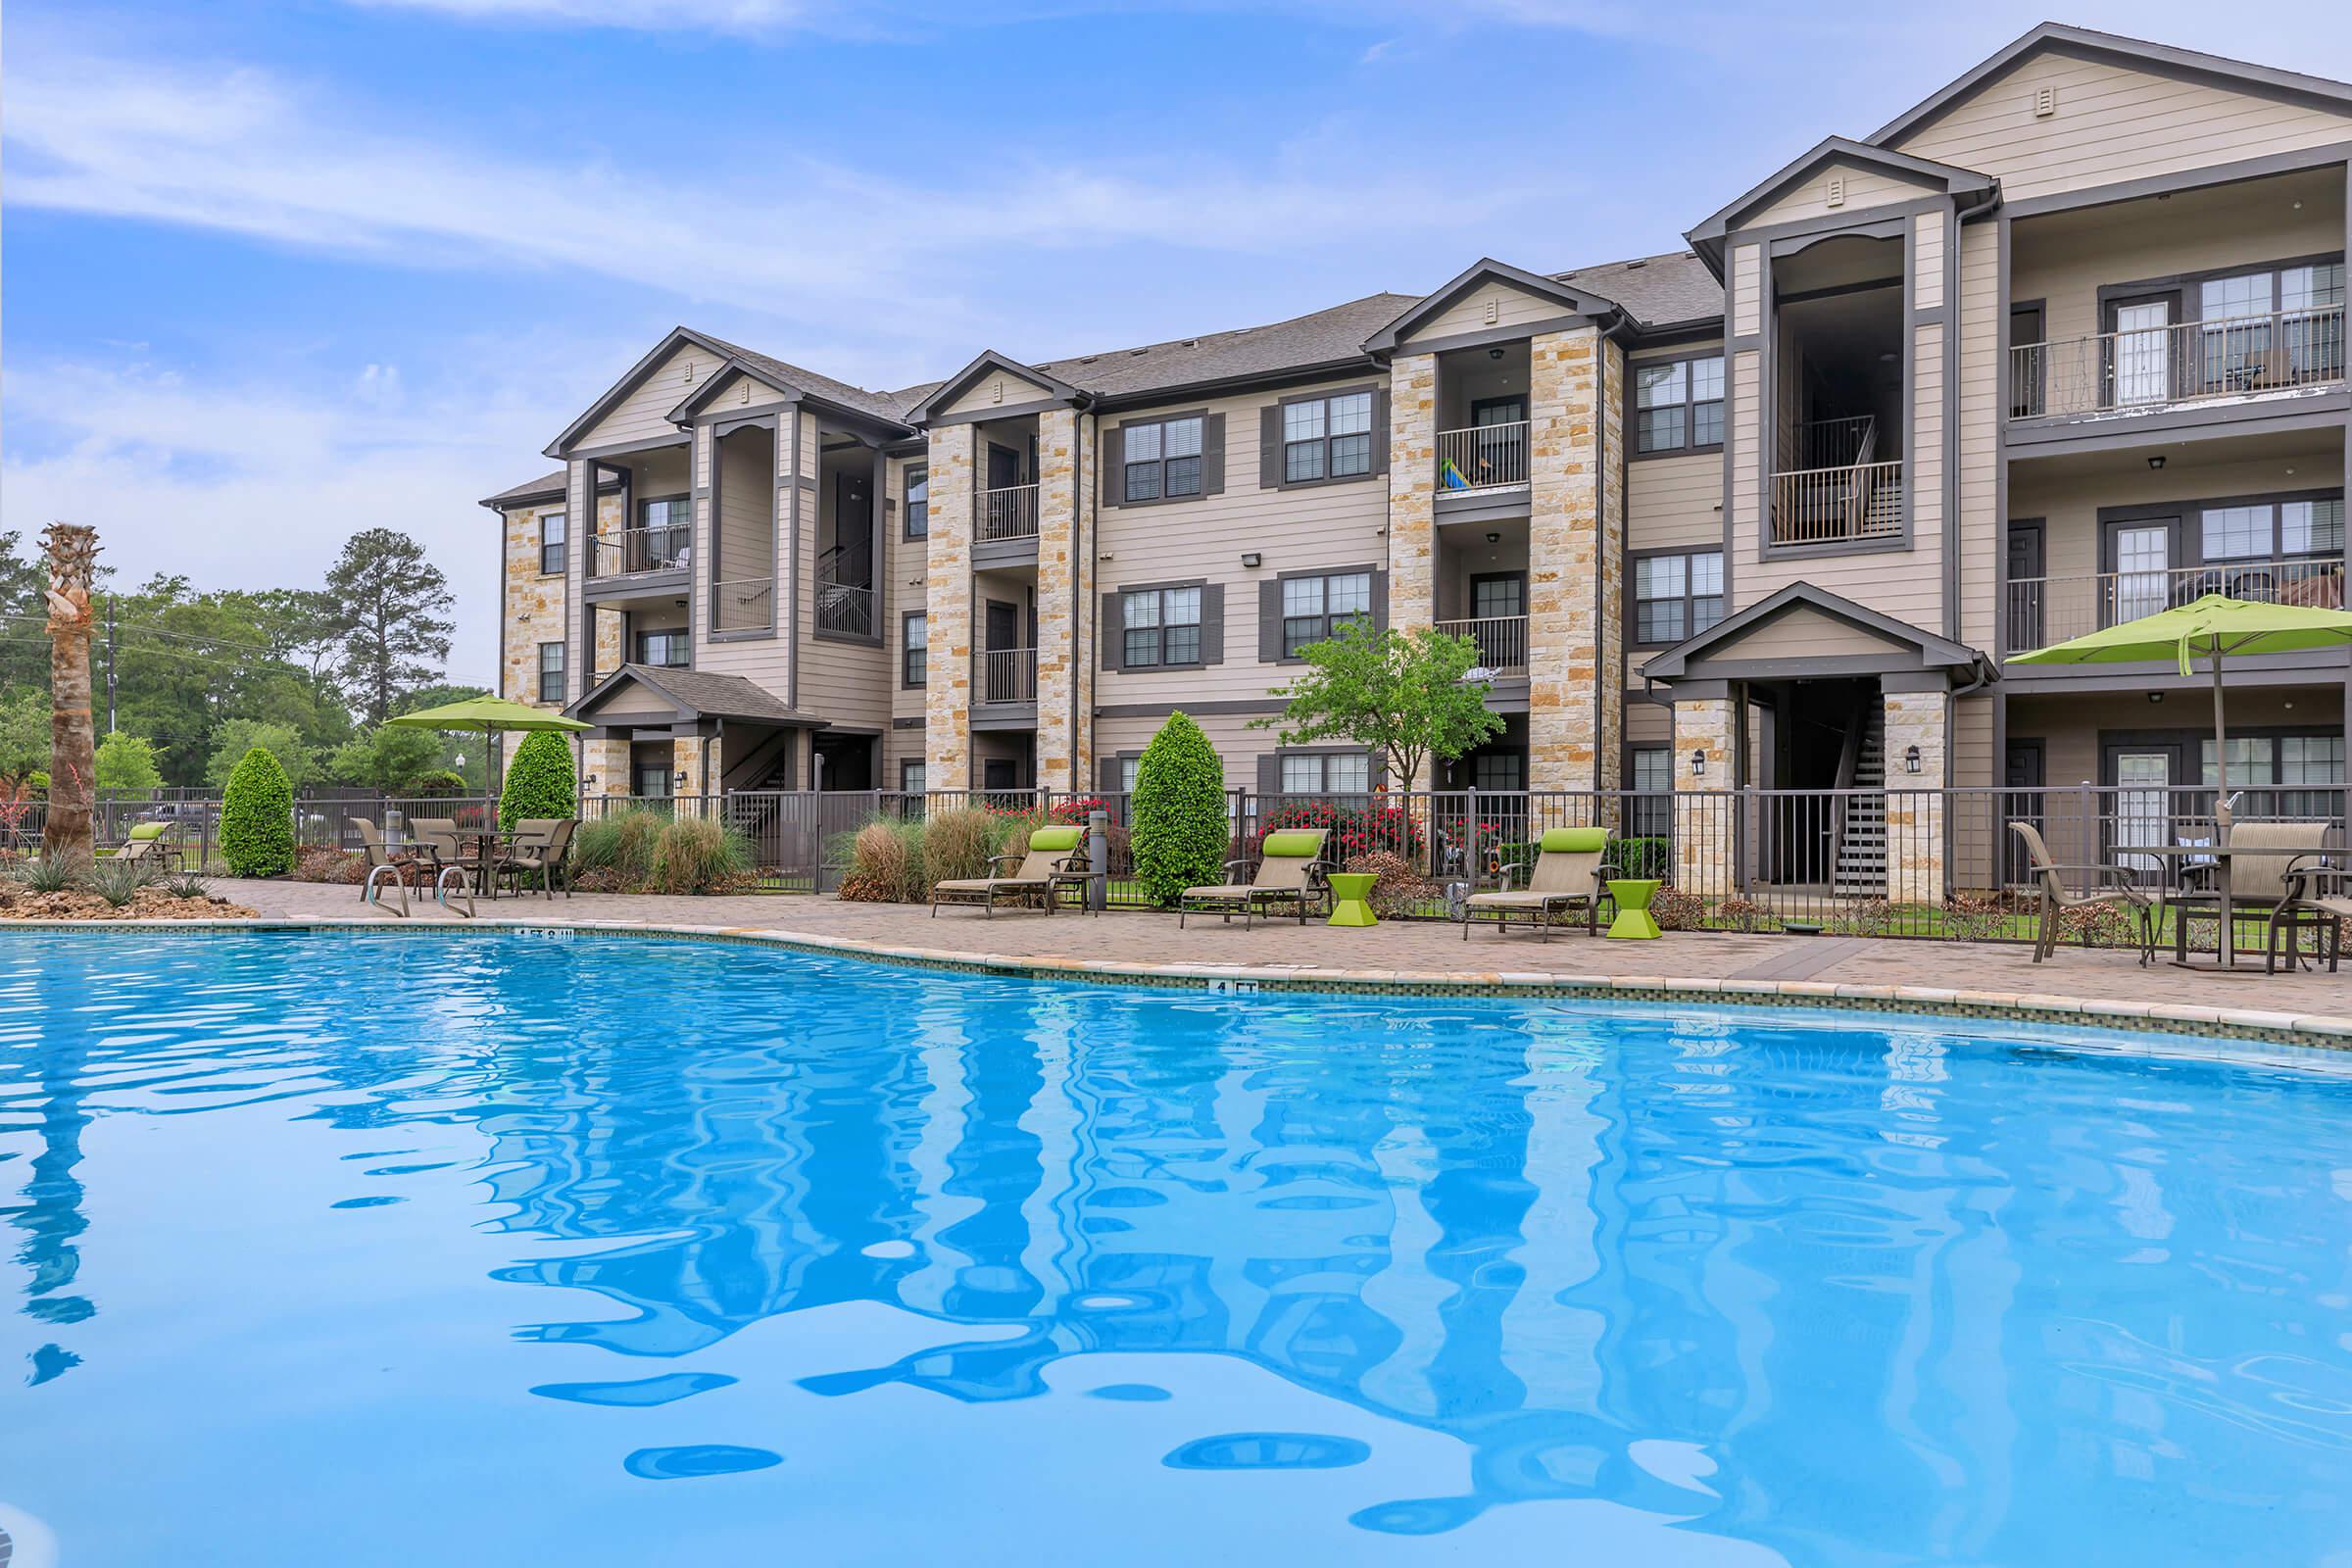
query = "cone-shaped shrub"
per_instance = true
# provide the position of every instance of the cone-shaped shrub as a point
(1178, 814)
(256, 818)
(539, 781)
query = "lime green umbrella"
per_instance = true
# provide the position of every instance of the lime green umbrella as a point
(487, 715)
(2211, 628)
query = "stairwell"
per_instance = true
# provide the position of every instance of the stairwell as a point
(1860, 870)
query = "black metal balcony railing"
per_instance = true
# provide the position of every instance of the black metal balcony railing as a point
(1501, 640)
(1004, 675)
(1483, 457)
(1009, 512)
(845, 608)
(2182, 362)
(2040, 610)
(632, 550)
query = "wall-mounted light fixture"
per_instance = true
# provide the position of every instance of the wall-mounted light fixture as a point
(1250, 559)
(679, 779)
(1910, 758)
(2156, 461)
(2155, 697)
(1699, 764)
(1493, 353)
(1493, 537)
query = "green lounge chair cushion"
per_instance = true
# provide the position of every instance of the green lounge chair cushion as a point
(1575, 840)
(1293, 845)
(1063, 839)
(148, 830)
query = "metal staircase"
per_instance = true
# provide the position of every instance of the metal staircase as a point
(1860, 868)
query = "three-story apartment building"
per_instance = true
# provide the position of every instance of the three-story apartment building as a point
(2062, 345)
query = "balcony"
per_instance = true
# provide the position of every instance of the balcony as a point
(1008, 513)
(743, 604)
(2040, 610)
(2182, 363)
(629, 552)
(843, 608)
(1003, 675)
(1843, 503)
(1482, 457)
(1502, 641)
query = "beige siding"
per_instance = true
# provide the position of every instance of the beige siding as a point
(746, 496)
(1746, 301)
(1742, 378)
(1331, 526)
(1648, 724)
(1980, 525)
(1922, 473)
(844, 682)
(910, 567)
(2112, 123)
(1238, 747)
(1864, 188)
(1972, 759)
(1804, 633)
(642, 416)
(1675, 502)
(767, 660)
(1512, 308)
(995, 390)
(2069, 502)
(2070, 727)
(1928, 230)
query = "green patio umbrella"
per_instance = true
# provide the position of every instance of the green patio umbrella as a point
(2211, 628)
(488, 714)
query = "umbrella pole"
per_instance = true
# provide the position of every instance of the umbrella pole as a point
(2222, 814)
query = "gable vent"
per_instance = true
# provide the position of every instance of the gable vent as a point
(2046, 100)
(1836, 196)
(1493, 308)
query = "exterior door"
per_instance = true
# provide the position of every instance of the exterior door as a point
(2028, 568)
(2029, 361)
(2025, 775)
(2144, 803)
(1501, 453)
(2141, 349)
(1004, 468)
(2140, 582)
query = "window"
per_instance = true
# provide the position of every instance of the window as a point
(2311, 528)
(669, 528)
(2281, 551)
(665, 649)
(2237, 331)
(1127, 774)
(1652, 784)
(2301, 775)
(1677, 596)
(552, 538)
(1312, 607)
(1678, 406)
(1497, 773)
(1163, 626)
(1327, 438)
(1162, 460)
(910, 778)
(1347, 773)
(915, 639)
(550, 673)
(919, 503)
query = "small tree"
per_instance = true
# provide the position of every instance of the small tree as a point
(242, 735)
(1404, 695)
(1178, 825)
(390, 758)
(128, 762)
(256, 818)
(539, 781)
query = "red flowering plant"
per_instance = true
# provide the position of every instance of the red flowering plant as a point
(1352, 830)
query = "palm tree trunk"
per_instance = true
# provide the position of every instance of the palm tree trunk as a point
(72, 552)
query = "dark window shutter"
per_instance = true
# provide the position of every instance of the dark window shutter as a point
(1114, 466)
(1213, 623)
(1106, 776)
(1212, 455)
(1269, 446)
(1269, 621)
(1110, 636)
(1269, 773)
(1376, 768)
(1380, 431)
(1379, 600)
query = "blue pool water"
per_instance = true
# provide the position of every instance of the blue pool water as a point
(506, 1250)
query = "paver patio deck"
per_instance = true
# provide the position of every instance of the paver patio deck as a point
(2311, 1001)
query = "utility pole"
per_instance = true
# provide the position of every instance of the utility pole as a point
(110, 664)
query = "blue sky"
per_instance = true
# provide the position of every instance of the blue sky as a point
(273, 272)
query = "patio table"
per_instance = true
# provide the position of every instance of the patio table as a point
(487, 843)
(1632, 895)
(2224, 940)
(1351, 897)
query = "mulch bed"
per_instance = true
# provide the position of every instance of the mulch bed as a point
(148, 903)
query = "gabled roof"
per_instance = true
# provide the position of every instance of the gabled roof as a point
(2055, 37)
(1931, 652)
(695, 694)
(552, 487)
(1673, 289)
(1329, 339)
(1706, 238)
(792, 379)
(990, 363)
(1572, 300)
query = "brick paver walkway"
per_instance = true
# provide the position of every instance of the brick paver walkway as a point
(1422, 948)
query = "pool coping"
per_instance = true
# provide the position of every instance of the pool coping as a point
(2324, 1030)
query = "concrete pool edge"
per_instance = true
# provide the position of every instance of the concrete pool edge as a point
(2327, 1030)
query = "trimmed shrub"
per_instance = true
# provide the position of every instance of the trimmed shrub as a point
(698, 854)
(1399, 890)
(539, 781)
(956, 843)
(256, 818)
(1676, 910)
(441, 783)
(1643, 857)
(618, 846)
(1177, 816)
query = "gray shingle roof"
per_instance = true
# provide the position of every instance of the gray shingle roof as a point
(717, 696)
(881, 405)
(1656, 290)
(551, 484)
(1319, 338)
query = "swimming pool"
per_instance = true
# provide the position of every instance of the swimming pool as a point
(498, 1249)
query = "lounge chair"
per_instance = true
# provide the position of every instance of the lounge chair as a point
(1289, 871)
(146, 844)
(1055, 855)
(2319, 900)
(541, 846)
(2259, 854)
(1572, 870)
(2117, 885)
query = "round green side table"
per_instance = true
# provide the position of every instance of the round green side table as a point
(1634, 923)
(1351, 899)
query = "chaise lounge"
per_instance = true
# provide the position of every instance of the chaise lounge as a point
(1055, 855)
(1289, 871)
(1572, 869)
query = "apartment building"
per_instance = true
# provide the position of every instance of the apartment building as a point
(2061, 345)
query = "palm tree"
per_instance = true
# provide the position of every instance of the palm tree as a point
(73, 551)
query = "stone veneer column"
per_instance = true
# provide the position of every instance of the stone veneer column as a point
(1705, 839)
(607, 761)
(1915, 869)
(1573, 695)
(686, 757)
(1062, 552)
(947, 613)
(1412, 490)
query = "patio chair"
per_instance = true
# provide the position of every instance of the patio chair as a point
(2259, 854)
(542, 844)
(146, 844)
(1054, 857)
(380, 854)
(2319, 900)
(1572, 869)
(1289, 871)
(437, 839)
(2117, 885)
